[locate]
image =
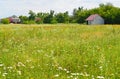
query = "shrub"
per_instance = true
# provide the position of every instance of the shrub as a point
(53, 21)
(28, 22)
(31, 22)
(25, 22)
(5, 21)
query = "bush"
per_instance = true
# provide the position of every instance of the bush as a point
(5, 21)
(28, 22)
(25, 22)
(31, 22)
(53, 22)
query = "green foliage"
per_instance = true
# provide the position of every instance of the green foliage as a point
(53, 21)
(24, 19)
(62, 17)
(25, 22)
(5, 21)
(31, 22)
(41, 16)
(32, 15)
(50, 19)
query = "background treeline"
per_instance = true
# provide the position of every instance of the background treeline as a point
(110, 13)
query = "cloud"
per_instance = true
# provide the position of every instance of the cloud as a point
(21, 7)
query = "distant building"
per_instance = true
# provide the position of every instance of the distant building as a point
(14, 19)
(95, 19)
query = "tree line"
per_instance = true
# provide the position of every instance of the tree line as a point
(110, 13)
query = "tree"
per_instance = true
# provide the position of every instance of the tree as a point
(24, 19)
(109, 13)
(50, 18)
(41, 16)
(66, 17)
(60, 17)
(32, 15)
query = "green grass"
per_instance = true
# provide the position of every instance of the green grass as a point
(63, 51)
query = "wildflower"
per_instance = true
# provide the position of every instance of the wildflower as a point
(86, 74)
(60, 68)
(100, 67)
(1, 65)
(10, 67)
(71, 76)
(68, 77)
(4, 68)
(57, 75)
(75, 74)
(20, 64)
(28, 61)
(32, 67)
(93, 78)
(4, 74)
(85, 65)
(19, 72)
(67, 71)
(75, 78)
(100, 77)
(112, 74)
(81, 74)
(39, 51)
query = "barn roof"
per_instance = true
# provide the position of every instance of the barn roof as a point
(92, 17)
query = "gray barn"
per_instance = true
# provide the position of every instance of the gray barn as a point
(95, 19)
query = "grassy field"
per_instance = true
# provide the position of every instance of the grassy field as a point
(63, 51)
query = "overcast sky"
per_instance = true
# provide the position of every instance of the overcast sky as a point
(22, 7)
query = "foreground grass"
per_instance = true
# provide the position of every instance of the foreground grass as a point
(59, 52)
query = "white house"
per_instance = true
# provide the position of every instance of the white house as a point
(95, 19)
(14, 19)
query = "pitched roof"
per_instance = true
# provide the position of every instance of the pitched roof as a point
(91, 17)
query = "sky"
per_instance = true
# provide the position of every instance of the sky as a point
(22, 7)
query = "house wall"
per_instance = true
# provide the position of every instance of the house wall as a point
(89, 22)
(14, 19)
(98, 20)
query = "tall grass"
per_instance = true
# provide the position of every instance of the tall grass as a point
(59, 52)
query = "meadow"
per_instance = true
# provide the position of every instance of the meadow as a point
(60, 51)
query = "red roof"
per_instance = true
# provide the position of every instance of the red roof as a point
(91, 17)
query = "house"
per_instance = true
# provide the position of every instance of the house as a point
(95, 19)
(14, 19)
